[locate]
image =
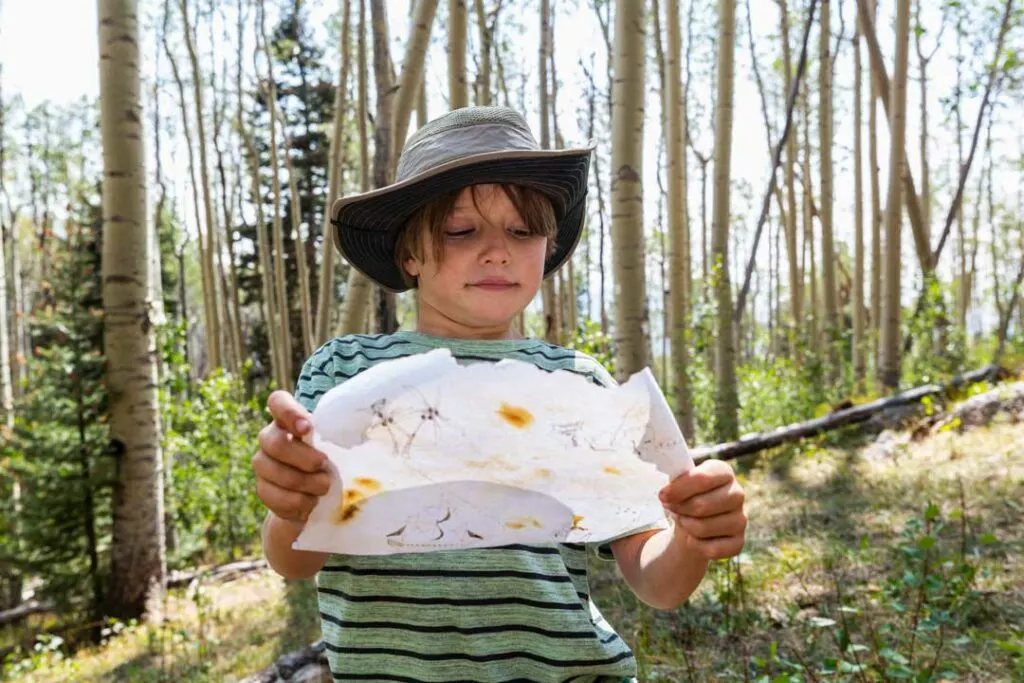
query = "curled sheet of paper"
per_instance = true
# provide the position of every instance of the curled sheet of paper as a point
(426, 454)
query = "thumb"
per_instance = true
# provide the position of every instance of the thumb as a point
(289, 414)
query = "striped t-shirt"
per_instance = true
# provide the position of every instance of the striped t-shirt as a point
(514, 613)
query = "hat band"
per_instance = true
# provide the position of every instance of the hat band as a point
(483, 138)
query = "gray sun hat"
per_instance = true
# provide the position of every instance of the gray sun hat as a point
(467, 146)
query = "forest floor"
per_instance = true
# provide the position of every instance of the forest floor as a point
(905, 563)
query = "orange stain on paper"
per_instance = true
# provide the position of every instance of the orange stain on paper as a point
(608, 469)
(518, 417)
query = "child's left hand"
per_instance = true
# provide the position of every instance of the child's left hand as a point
(707, 506)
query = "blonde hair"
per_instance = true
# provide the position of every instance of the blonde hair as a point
(533, 206)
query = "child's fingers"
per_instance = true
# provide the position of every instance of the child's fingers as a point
(289, 414)
(290, 505)
(278, 444)
(288, 477)
(720, 526)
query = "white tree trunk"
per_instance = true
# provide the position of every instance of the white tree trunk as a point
(138, 565)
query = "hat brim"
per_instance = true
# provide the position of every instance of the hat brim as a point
(365, 227)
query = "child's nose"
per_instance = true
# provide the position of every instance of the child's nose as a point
(496, 250)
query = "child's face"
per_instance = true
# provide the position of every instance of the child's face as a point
(491, 270)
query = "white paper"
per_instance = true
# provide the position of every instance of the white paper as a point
(428, 455)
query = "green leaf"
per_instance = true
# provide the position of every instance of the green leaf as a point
(931, 512)
(893, 656)
(926, 542)
(821, 622)
(988, 539)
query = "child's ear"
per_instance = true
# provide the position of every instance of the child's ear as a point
(412, 267)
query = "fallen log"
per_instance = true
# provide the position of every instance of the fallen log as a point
(22, 611)
(754, 443)
(217, 573)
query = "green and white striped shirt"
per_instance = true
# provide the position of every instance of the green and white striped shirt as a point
(515, 613)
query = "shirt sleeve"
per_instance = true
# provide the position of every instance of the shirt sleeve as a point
(317, 377)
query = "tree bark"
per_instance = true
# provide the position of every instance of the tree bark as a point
(876, 212)
(458, 22)
(138, 568)
(881, 79)
(726, 399)
(828, 273)
(483, 82)
(325, 295)
(795, 278)
(280, 291)
(213, 332)
(549, 296)
(358, 289)
(857, 303)
(631, 319)
(412, 73)
(889, 368)
(229, 288)
(813, 302)
(679, 254)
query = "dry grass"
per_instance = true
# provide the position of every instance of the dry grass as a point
(822, 519)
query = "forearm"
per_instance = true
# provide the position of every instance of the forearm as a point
(660, 567)
(278, 536)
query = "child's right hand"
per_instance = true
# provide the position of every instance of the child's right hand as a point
(290, 474)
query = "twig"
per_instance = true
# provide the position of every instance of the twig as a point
(846, 626)
(916, 615)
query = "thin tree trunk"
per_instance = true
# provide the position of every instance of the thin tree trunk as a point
(828, 274)
(483, 84)
(795, 279)
(302, 266)
(591, 124)
(876, 213)
(325, 296)
(922, 64)
(458, 21)
(268, 306)
(280, 291)
(813, 304)
(727, 400)
(213, 322)
(881, 78)
(631, 317)
(889, 370)
(194, 185)
(412, 74)
(858, 223)
(566, 292)
(549, 297)
(358, 289)
(138, 568)
(232, 312)
(965, 288)
(675, 103)
(11, 585)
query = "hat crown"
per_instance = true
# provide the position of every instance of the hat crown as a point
(462, 133)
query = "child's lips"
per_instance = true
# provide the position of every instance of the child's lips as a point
(493, 284)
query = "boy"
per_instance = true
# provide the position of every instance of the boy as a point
(477, 218)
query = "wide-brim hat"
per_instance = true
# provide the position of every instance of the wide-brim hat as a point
(467, 146)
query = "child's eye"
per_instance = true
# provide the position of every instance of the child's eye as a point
(520, 233)
(456, 233)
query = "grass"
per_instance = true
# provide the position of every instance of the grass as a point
(906, 566)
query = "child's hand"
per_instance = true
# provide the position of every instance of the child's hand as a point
(707, 505)
(290, 474)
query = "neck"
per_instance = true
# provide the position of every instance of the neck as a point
(433, 322)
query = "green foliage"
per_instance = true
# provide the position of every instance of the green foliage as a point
(589, 339)
(939, 348)
(210, 431)
(58, 450)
